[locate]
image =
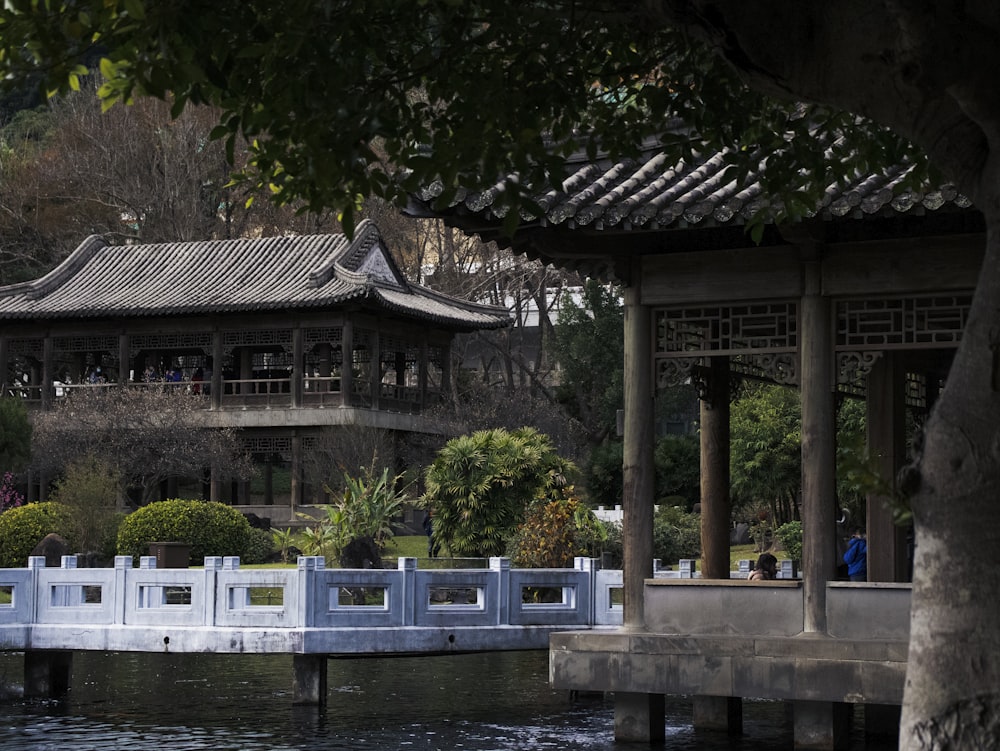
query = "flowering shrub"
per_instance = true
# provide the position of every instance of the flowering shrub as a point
(9, 497)
(557, 528)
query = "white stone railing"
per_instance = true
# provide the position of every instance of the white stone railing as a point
(222, 595)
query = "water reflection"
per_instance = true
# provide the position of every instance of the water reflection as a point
(481, 702)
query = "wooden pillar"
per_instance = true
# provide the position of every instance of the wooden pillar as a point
(886, 425)
(423, 363)
(638, 468)
(215, 486)
(298, 366)
(216, 380)
(269, 482)
(639, 717)
(446, 389)
(124, 358)
(347, 364)
(296, 499)
(48, 392)
(324, 353)
(309, 679)
(246, 373)
(4, 365)
(819, 499)
(715, 502)
(375, 367)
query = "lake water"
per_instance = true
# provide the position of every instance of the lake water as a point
(476, 702)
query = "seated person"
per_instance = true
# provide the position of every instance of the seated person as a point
(766, 568)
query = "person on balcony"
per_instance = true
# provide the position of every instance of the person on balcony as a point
(766, 568)
(856, 557)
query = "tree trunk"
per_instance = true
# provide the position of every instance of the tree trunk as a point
(952, 695)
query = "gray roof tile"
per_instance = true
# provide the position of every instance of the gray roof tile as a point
(655, 193)
(243, 275)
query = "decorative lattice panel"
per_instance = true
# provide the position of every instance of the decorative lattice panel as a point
(726, 329)
(86, 343)
(266, 337)
(329, 335)
(174, 340)
(267, 445)
(265, 360)
(362, 346)
(930, 322)
(25, 347)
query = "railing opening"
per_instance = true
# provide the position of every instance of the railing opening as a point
(265, 597)
(547, 596)
(159, 596)
(449, 596)
(616, 596)
(75, 595)
(6, 595)
(363, 597)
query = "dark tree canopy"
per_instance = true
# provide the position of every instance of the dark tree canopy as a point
(344, 99)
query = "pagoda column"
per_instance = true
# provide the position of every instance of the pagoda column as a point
(885, 421)
(296, 491)
(4, 364)
(347, 364)
(216, 379)
(124, 358)
(375, 367)
(246, 373)
(446, 389)
(46, 384)
(298, 367)
(423, 365)
(819, 425)
(714, 452)
(638, 717)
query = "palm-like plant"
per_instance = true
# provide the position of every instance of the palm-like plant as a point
(479, 485)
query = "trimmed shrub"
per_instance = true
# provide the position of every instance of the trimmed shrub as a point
(260, 544)
(210, 528)
(676, 535)
(22, 528)
(790, 536)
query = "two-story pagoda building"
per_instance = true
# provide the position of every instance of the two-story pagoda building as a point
(284, 338)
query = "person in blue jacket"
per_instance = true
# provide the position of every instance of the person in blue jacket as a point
(856, 557)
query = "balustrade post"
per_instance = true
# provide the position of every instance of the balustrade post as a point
(308, 565)
(35, 562)
(68, 595)
(585, 603)
(408, 567)
(123, 564)
(213, 565)
(502, 568)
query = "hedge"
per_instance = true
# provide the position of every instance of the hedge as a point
(22, 528)
(210, 528)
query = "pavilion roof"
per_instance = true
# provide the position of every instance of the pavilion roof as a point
(310, 272)
(686, 205)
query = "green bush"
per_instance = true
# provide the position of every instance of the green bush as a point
(790, 536)
(22, 528)
(210, 528)
(260, 545)
(676, 535)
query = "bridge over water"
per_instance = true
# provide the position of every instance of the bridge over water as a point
(310, 612)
